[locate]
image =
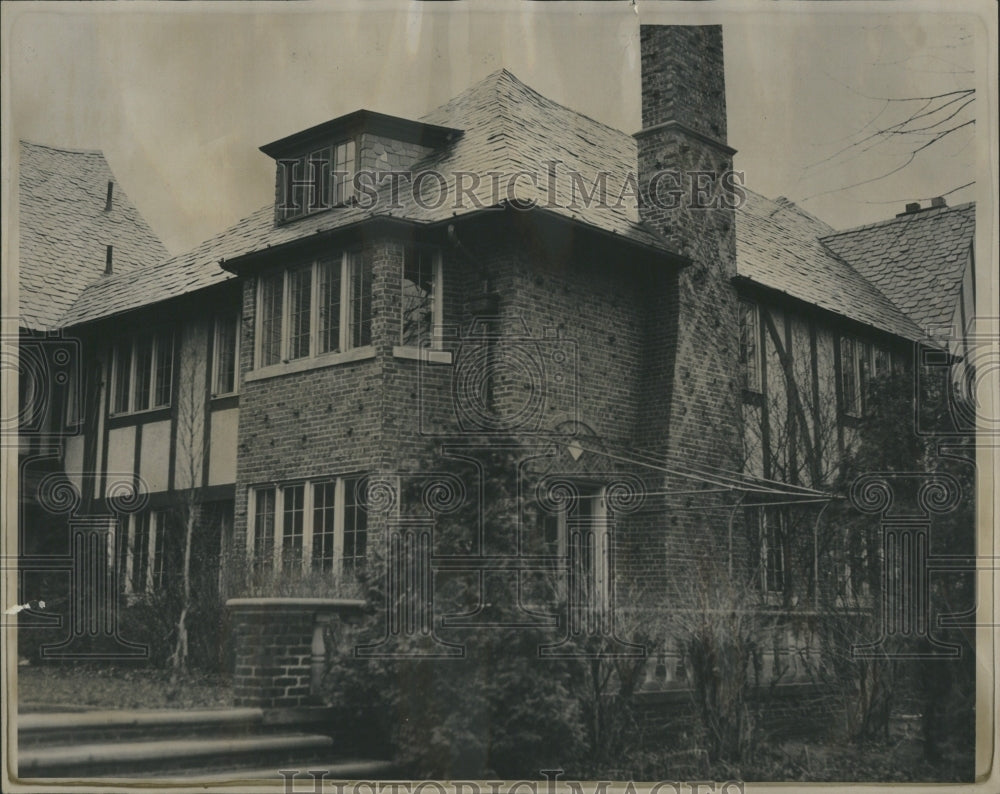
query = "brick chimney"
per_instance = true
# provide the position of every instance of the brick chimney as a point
(692, 359)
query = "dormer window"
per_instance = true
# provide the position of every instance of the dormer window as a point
(316, 181)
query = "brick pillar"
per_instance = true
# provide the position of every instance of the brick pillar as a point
(273, 641)
(691, 391)
(689, 405)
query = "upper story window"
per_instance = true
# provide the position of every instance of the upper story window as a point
(314, 309)
(142, 372)
(225, 354)
(860, 363)
(422, 309)
(750, 357)
(319, 525)
(317, 181)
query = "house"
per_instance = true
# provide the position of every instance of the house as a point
(77, 226)
(681, 359)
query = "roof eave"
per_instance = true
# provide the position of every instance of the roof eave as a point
(741, 280)
(253, 260)
(396, 127)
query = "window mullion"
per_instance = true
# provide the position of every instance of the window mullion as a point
(338, 527)
(345, 302)
(258, 340)
(252, 529)
(129, 551)
(279, 528)
(307, 527)
(133, 358)
(151, 550)
(284, 344)
(314, 310)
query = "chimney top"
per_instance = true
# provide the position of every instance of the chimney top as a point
(913, 206)
(939, 202)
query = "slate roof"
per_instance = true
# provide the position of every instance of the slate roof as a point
(64, 230)
(778, 246)
(917, 259)
(509, 127)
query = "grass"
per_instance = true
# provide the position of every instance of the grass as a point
(91, 686)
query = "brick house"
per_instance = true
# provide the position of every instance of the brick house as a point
(686, 375)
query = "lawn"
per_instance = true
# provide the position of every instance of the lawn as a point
(88, 686)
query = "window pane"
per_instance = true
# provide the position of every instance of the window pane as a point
(226, 329)
(270, 318)
(324, 511)
(123, 377)
(418, 295)
(143, 372)
(164, 368)
(299, 305)
(290, 172)
(343, 179)
(161, 549)
(329, 305)
(749, 349)
(361, 300)
(319, 174)
(848, 375)
(881, 368)
(122, 550)
(263, 524)
(355, 525)
(864, 353)
(774, 556)
(140, 553)
(292, 526)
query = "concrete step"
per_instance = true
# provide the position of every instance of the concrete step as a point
(335, 769)
(152, 758)
(92, 726)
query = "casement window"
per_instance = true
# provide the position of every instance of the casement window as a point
(317, 181)
(422, 311)
(317, 525)
(72, 399)
(750, 357)
(142, 375)
(315, 309)
(772, 549)
(225, 354)
(580, 533)
(860, 363)
(143, 552)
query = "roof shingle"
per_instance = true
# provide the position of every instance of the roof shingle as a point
(916, 259)
(777, 246)
(509, 128)
(65, 230)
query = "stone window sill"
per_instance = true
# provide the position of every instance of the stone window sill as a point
(422, 354)
(313, 362)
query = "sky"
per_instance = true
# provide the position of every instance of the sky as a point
(179, 96)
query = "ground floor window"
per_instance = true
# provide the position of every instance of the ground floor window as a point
(579, 533)
(772, 549)
(143, 552)
(309, 525)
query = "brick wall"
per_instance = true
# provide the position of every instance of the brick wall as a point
(272, 650)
